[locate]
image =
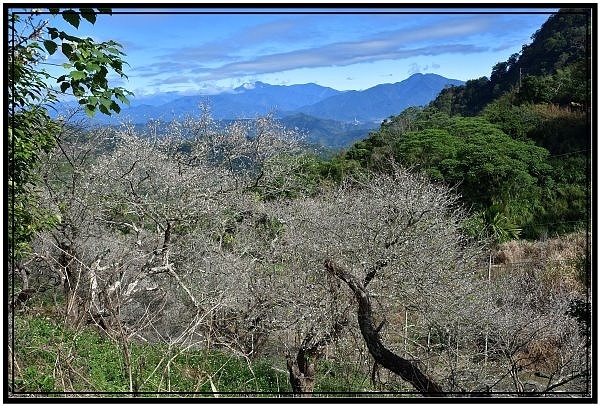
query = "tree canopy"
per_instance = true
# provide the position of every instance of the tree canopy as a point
(32, 91)
(506, 141)
(553, 68)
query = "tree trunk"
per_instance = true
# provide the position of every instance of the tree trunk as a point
(302, 373)
(302, 369)
(74, 304)
(404, 368)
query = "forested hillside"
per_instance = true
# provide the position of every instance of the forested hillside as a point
(446, 255)
(516, 145)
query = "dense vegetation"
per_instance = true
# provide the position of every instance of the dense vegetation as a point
(515, 145)
(227, 260)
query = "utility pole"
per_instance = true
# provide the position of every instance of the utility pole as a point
(520, 73)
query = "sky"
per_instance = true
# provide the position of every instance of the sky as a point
(209, 50)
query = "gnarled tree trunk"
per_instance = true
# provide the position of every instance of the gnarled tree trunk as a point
(302, 368)
(404, 368)
(302, 372)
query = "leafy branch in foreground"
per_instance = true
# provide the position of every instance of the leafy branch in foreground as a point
(31, 130)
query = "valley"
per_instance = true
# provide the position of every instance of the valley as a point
(327, 117)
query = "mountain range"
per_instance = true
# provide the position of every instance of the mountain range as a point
(330, 117)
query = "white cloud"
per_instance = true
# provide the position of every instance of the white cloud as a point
(229, 58)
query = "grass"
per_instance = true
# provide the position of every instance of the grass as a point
(49, 358)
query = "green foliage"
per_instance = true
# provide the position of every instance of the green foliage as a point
(562, 204)
(54, 359)
(539, 96)
(560, 130)
(515, 120)
(43, 347)
(569, 85)
(468, 99)
(27, 218)
(492, 224)
(489, 166)
(553, 68)
(89, 64)
(561, 41)
(31, 130)
(538, 89)
(565, 198)
(337, 376)
(30, 134)
(493, 172)
(434, 151)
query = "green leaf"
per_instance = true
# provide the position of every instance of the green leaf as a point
(78, 90)
(53, 32)
(117, 65)
(50, 46)
(89, 14)
(115, 107)
(90, 110)
(105, 10)
(122, 98)
(64, 36)
(106, 102)
(72, 17)
(67, 49)
(54, 11)
(64, 86)
(90, 66)
(77, 75)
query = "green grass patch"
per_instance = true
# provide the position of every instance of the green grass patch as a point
(49, 358)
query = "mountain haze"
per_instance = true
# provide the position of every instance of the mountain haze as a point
(255, 99)
(381, 101)
(328, 117)
(249, 100)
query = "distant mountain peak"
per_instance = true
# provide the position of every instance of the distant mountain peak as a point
(252, 99)
(380, 101)
(251, 86)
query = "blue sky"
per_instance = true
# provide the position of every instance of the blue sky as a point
(206, 51)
